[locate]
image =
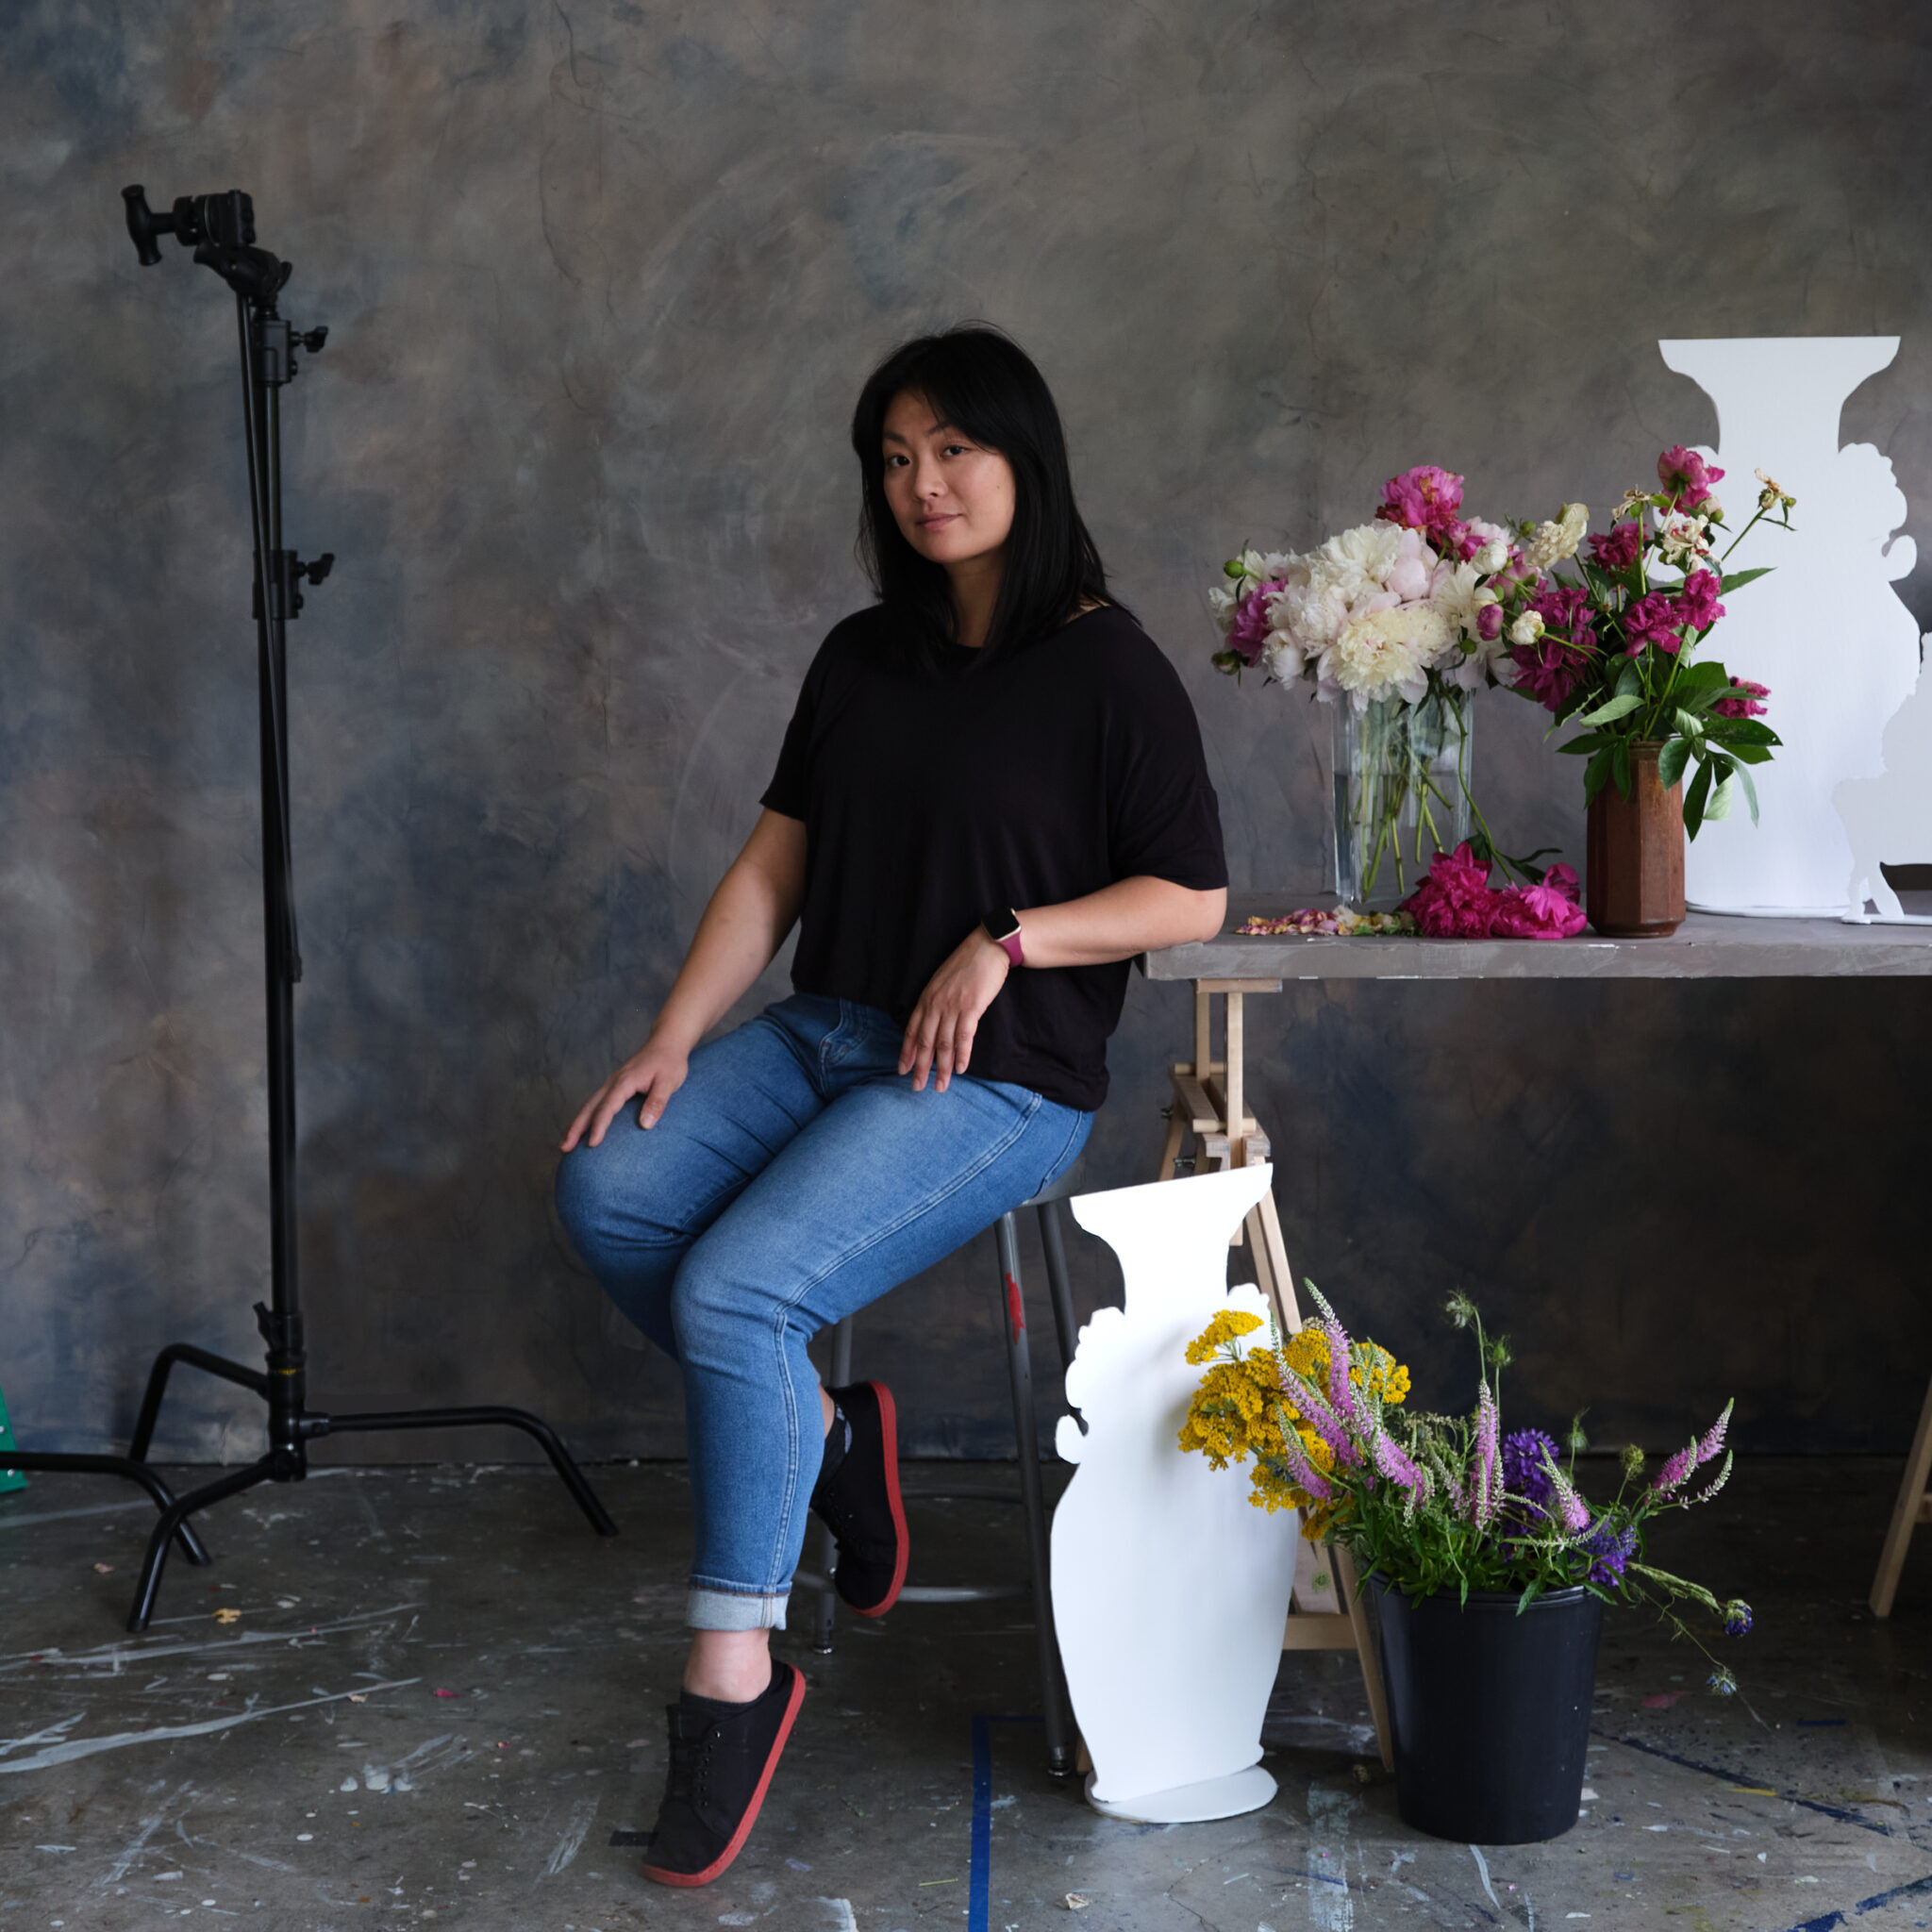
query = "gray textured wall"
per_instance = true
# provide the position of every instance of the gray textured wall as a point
(603, 280)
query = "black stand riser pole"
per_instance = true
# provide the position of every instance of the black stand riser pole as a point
(267, 363)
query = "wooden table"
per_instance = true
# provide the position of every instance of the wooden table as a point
(1209, 1102)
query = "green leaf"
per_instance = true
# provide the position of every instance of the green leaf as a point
(1629, 683)
(1690, 724)
(1610, 710)
(1743, 778)
(1619, 765)
(1693, 800)
(1693, 675)
(1596, 775)
(1722, 793)
(1738, 578)
(1588, 742)
(1742, 731)
(1750, 754)
(1672, 761)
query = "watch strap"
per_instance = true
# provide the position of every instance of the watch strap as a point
(1002, 926)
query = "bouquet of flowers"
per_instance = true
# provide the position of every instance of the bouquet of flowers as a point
(1610, 649)
(1433, 1504)
(1399, 619)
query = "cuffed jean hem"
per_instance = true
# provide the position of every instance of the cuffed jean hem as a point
(732, 1609)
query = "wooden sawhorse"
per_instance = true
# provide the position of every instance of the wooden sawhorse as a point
(1210, 1107)
(1913, 1507)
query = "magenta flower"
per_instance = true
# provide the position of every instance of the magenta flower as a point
(1301, 1469)
(1619, 549)
(1545, 911)
(1341, 1396)
(1745, 704)
(1252, 624)
(1697, 600)
(1395, 1463)
(1671, 1476)
(1454, 900)
(1653, 620)
(1488, 622)
(1710, 1445)
(1428, 499)
(1686, 476)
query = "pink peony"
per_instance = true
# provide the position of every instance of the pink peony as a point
(1426, 498)
(1455, 902)
(1654, 620)
(1547, 911)
(1488, 622)
(1618, 550)
(1250, 625)
(1745, 704)
(1698, 600)
(1550, 668)
(1685, 476)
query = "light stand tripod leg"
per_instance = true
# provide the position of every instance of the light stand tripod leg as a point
(132, 1468)
(158, 1387)
(561, 1458)
(174, 1518)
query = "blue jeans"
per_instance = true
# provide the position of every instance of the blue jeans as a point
(794, 1177)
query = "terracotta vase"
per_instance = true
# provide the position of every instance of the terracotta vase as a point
(1634, 889)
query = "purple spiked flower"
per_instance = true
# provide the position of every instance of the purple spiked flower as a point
(1395, 1463)
(1302, 1468)
(1341, 1396)
(1708, 1445)
(1486, 1465)
(1671, 1476)
(1611, 1549)
(1571, 1510)
(1327, 1424)
(1738, 1619)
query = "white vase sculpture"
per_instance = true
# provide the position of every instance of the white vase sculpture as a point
(1826, 633)
(1170, 1590)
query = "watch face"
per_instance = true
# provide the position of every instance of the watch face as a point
(1001, 924)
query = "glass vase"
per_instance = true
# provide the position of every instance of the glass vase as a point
(1402, 775)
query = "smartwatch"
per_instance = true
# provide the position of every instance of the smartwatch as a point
(1004, 927)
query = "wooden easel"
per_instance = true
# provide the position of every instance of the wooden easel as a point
(1211, 1105)
(1913, 1507)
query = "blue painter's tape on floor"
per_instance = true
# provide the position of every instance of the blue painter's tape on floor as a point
(1830, 1922)
(979, 1886)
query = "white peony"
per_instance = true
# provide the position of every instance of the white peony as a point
(1553, 542)
(1384, 651)
(1527, 628)
(1460, 597)
(1490, 557)
(1369, 550)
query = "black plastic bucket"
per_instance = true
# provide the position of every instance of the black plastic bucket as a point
(1489, 1711)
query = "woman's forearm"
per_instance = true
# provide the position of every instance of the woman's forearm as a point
(743, 926)
(1130, 916)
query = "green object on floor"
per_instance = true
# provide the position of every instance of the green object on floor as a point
(10, 1478)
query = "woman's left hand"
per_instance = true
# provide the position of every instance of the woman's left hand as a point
(939, 1036)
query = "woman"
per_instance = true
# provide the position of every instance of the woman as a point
(994, 733)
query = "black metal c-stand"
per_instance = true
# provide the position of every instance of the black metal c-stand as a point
(220, 230)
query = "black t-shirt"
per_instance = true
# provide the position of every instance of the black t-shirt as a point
(1040, 778)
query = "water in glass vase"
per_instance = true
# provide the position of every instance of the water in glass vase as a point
(1402, 775)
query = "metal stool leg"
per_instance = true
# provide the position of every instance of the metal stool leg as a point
(828, 1598)
(1056, 1283)
(1060, 1754)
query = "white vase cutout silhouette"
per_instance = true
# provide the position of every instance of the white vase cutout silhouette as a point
(1170, 1589)
(1825, 632)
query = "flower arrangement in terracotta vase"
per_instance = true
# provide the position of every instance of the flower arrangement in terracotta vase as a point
(1488, 1566)
(1613, 650)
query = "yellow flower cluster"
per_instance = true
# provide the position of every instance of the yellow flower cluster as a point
(1242, 1406)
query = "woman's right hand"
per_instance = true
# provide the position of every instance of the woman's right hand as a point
(657, 1071)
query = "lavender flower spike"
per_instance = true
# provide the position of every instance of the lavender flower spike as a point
(1671, 1476)
(1486, 1465)
(1341, 1396)
(1568, 1507)
(1302, 1468)
(1708, 1445)
(1395, 1463)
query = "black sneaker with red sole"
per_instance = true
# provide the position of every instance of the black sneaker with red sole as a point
(857, 1500)
(720, 1768)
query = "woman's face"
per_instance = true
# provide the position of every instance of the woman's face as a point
(952, 498)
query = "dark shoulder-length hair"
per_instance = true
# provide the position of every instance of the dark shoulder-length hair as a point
(980, 381)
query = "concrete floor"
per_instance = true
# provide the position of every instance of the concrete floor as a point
(441, 1704)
